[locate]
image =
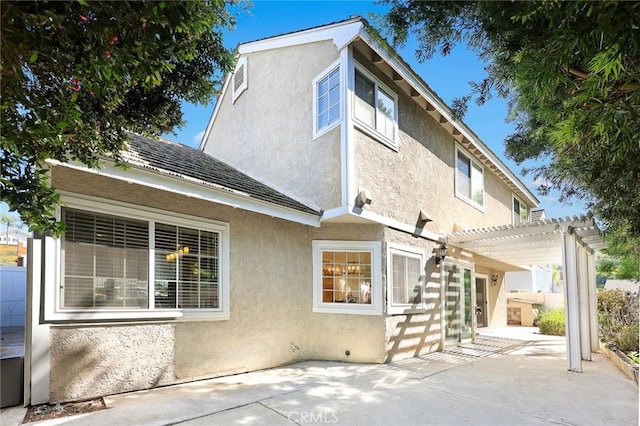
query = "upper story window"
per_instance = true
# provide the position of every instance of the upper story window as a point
(469, 180)
(375, 107)
(520, 212)
(326, 93)
(239, 78)
(114, 265)
(347, 277)
(405, 280)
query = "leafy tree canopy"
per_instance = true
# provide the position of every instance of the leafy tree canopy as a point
(571, 73)
(76, 76)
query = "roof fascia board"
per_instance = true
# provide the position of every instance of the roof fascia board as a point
(340, 33)
(180, 186)
(214, 114)
(416, 82)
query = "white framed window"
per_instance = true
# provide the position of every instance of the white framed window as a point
(375, 107)
(520, 212)
(469, 179)
(326, 95)
(239, 80)
(347, 277)
(405, 279)
(118, 262)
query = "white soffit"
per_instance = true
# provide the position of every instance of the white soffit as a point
(538, 243)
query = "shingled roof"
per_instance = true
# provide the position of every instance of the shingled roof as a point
(171, 158)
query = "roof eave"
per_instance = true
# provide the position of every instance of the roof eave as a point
(423, 89)
(194, 189)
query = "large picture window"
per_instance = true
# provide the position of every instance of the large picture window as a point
(469, 180)
(375, 107)
(115, 262)
(105, 261)
(186, 268)
(347, 277)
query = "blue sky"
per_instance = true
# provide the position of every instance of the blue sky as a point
(448, 76)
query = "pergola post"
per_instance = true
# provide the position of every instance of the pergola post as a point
(585, 311)
(593, 301)
(572, 301)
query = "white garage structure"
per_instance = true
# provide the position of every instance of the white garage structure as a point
(571, 242)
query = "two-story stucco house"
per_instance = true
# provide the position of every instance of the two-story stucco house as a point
(315, 222)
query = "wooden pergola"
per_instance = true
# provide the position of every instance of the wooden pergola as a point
(571, 242)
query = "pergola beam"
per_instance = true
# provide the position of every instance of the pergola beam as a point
(573, 243)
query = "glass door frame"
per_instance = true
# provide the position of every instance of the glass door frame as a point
(485, 308)
(463, 265)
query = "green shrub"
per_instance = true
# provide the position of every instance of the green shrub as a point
(618, 319)
(551, 322)
(628, 338)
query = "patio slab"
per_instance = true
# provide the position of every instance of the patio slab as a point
(499, 380)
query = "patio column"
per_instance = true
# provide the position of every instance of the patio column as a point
(593, 301)
(36, 365)
(585, 311)
(572, 301)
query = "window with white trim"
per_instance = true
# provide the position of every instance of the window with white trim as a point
(469, 179)
(347, 277)
(239, 78)
(405, 280)
(375, 107)
(520, 212)
(326, 93)
(116, 262)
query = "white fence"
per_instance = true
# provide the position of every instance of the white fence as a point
(13, 285)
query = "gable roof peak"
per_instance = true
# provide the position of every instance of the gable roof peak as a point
(340, 32)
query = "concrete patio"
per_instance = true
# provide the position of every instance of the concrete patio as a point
(509, 376)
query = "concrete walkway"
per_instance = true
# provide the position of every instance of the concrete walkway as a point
(508, 377)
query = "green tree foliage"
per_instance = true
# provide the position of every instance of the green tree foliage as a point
(621, 258)
(571, 73)
(77, 75)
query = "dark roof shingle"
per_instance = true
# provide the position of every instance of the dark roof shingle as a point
(182, 161)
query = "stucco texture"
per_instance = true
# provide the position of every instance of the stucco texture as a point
(420, 175)
(87, 362)
(273, 120)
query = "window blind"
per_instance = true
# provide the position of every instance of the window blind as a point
(105, 261)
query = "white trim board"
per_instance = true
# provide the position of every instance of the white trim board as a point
(185, 186)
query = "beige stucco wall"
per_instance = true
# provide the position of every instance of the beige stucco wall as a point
(92, 361)
(420, 175)
(268, 132)
(497, 315)
(271, 321)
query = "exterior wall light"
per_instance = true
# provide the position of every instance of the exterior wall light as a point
(494, 280)
(441, 253)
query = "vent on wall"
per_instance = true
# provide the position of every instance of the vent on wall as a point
(239, 78)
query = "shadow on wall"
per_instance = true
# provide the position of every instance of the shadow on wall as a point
(92, 362)
(419, 333)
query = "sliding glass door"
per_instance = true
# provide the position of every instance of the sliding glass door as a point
(458, 303)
